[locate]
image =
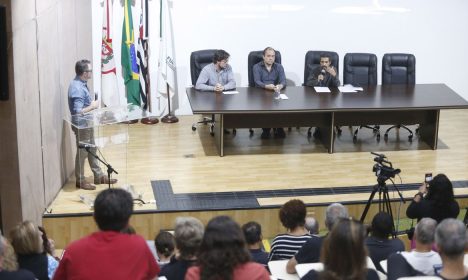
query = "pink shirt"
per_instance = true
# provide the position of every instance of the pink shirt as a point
(250, 270)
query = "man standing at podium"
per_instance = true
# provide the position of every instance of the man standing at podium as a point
(80, 103)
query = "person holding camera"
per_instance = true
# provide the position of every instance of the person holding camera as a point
(434, 200)
(324, 75)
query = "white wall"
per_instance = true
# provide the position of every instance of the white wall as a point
(434, 31)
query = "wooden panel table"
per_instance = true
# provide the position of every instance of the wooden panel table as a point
(382, 104)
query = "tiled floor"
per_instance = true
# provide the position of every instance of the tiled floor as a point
(166, 200)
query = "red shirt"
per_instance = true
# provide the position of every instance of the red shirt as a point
(108, 255)
(250, 270)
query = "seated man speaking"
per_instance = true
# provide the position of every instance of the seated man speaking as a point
(324, 75)
(269, 75)
(217, 76)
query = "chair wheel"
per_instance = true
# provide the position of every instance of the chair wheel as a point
(410, 137)
(212, 133)
(385, 136)
(234, 131)
(378, 137)
(309, 134)
(251, 131)
(194, 127)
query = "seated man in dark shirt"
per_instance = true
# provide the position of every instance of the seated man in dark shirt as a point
(451, 240)
(253, 236)
(270, 75)
(324, 75)
(380, 247)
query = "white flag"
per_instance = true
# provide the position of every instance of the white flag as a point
(109, 89)
(166, 65)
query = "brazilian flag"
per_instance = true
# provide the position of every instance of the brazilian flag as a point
(129, 58)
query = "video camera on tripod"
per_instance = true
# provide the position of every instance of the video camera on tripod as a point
(383, 168)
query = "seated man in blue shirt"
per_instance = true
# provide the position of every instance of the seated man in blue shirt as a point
(270, 75)
(217, 76)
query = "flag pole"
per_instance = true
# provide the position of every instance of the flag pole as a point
(169, 118)
(149, 119)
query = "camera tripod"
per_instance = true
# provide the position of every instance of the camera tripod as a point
(384, 200)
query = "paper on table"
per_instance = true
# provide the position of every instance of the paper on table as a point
(284, 96)
(346, 89)
(231, 92)
(322, 89)
(351, 87)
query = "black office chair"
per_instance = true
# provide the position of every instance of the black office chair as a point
(360, 69)
(198, 60)
(398, 68)
(312, 61)
(254, 58)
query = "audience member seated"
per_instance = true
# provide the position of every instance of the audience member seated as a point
(223, 254)
(10, 262)
(420, 261)
(188, 235)
(49, 250)
(310, 251)
(378, 243)
(27, 241)
(217, 76)
(48, 244)
(109, 253)
(253, 237)
(7, 259)
(164, 243)
(451, 242)
(435, 200)
(311, 225)
(292, 215)
(344, 254)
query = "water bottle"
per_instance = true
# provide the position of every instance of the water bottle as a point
(276, 94)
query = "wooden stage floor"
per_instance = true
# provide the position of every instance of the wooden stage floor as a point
(268, 171)
(177, 172)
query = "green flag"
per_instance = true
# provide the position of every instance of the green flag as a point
(129, 59)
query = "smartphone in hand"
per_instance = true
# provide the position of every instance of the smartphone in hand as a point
(427, 178)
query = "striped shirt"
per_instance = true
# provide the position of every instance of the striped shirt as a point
(285, 246)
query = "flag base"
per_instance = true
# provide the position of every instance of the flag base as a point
(130, 122)
(169, 119)
(149, 120)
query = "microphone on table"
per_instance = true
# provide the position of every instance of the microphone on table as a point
(83, 145)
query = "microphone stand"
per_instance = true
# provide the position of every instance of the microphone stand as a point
(110, 169)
